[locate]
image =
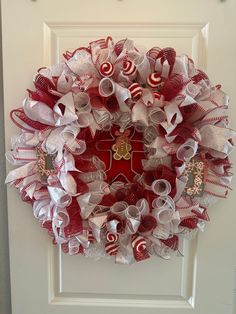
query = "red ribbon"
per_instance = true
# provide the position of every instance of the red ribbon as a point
(18, 114)
(169, 55)
(43, 83)
(172, 242)
(148, 223)
(162, 172)
(183, 132)
(42, 96)
(172, 87)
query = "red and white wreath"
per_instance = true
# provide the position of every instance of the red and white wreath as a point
(121, 150)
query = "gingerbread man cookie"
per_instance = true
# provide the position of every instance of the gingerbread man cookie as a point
(122, 147)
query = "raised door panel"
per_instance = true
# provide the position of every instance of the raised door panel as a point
(120, 285)
(43, 279)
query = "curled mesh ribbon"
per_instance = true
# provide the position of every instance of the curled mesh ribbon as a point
(121, 150)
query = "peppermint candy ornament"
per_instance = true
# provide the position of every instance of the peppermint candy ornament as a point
(157, 95)
(154, 80)
(129, 68)
(112, 237)
(135, 91)
(90, 236)
(123, 166)
(111, 248)
(140, 248)
(139, 243)
(107, 69)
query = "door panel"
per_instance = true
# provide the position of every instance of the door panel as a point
(44, 280)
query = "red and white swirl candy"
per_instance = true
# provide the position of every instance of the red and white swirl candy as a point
(135, 91)
(154, 79)
(129, 68)
(111, 248)
(90, 236)
(157, 95)
(106, 69)
(139, 243)
(112, 237)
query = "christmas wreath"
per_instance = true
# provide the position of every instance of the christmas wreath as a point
(121, 150)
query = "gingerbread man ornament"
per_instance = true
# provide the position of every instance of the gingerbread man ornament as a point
(122, 146)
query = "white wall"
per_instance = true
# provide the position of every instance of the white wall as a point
(5, 305)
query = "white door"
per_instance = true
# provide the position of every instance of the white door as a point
(45, 281)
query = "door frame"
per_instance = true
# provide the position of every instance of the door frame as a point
(5, 289)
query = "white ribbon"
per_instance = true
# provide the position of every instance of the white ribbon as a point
(38, 111)
(156, 115)
(42, 209)
(59, 197)
(163, 209)
(59, 221)
(164, 231)
(119, 208)
(21, 155)
(112, 225)
(139, 113)
(106, 87)
(150, 133)
(64, 83)
(187, 150)
(68, 182)
(84, 119)
(143, 206)
(82, 102)
(61, 136)
(161, 187)
(102, 117)
(122, 95)
(21, 172)
(88, 202)
(147, 97)
(73, 246)
(158, 146)
(92, 176)
(83, 239)
(133, 216)
(91, 199)
(67, 114)
(173, 115)
(81, 64)
(217, 139)
(143, 66)
(60, 217)
(97, 223)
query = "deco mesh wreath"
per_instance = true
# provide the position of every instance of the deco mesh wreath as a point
(121, 150)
